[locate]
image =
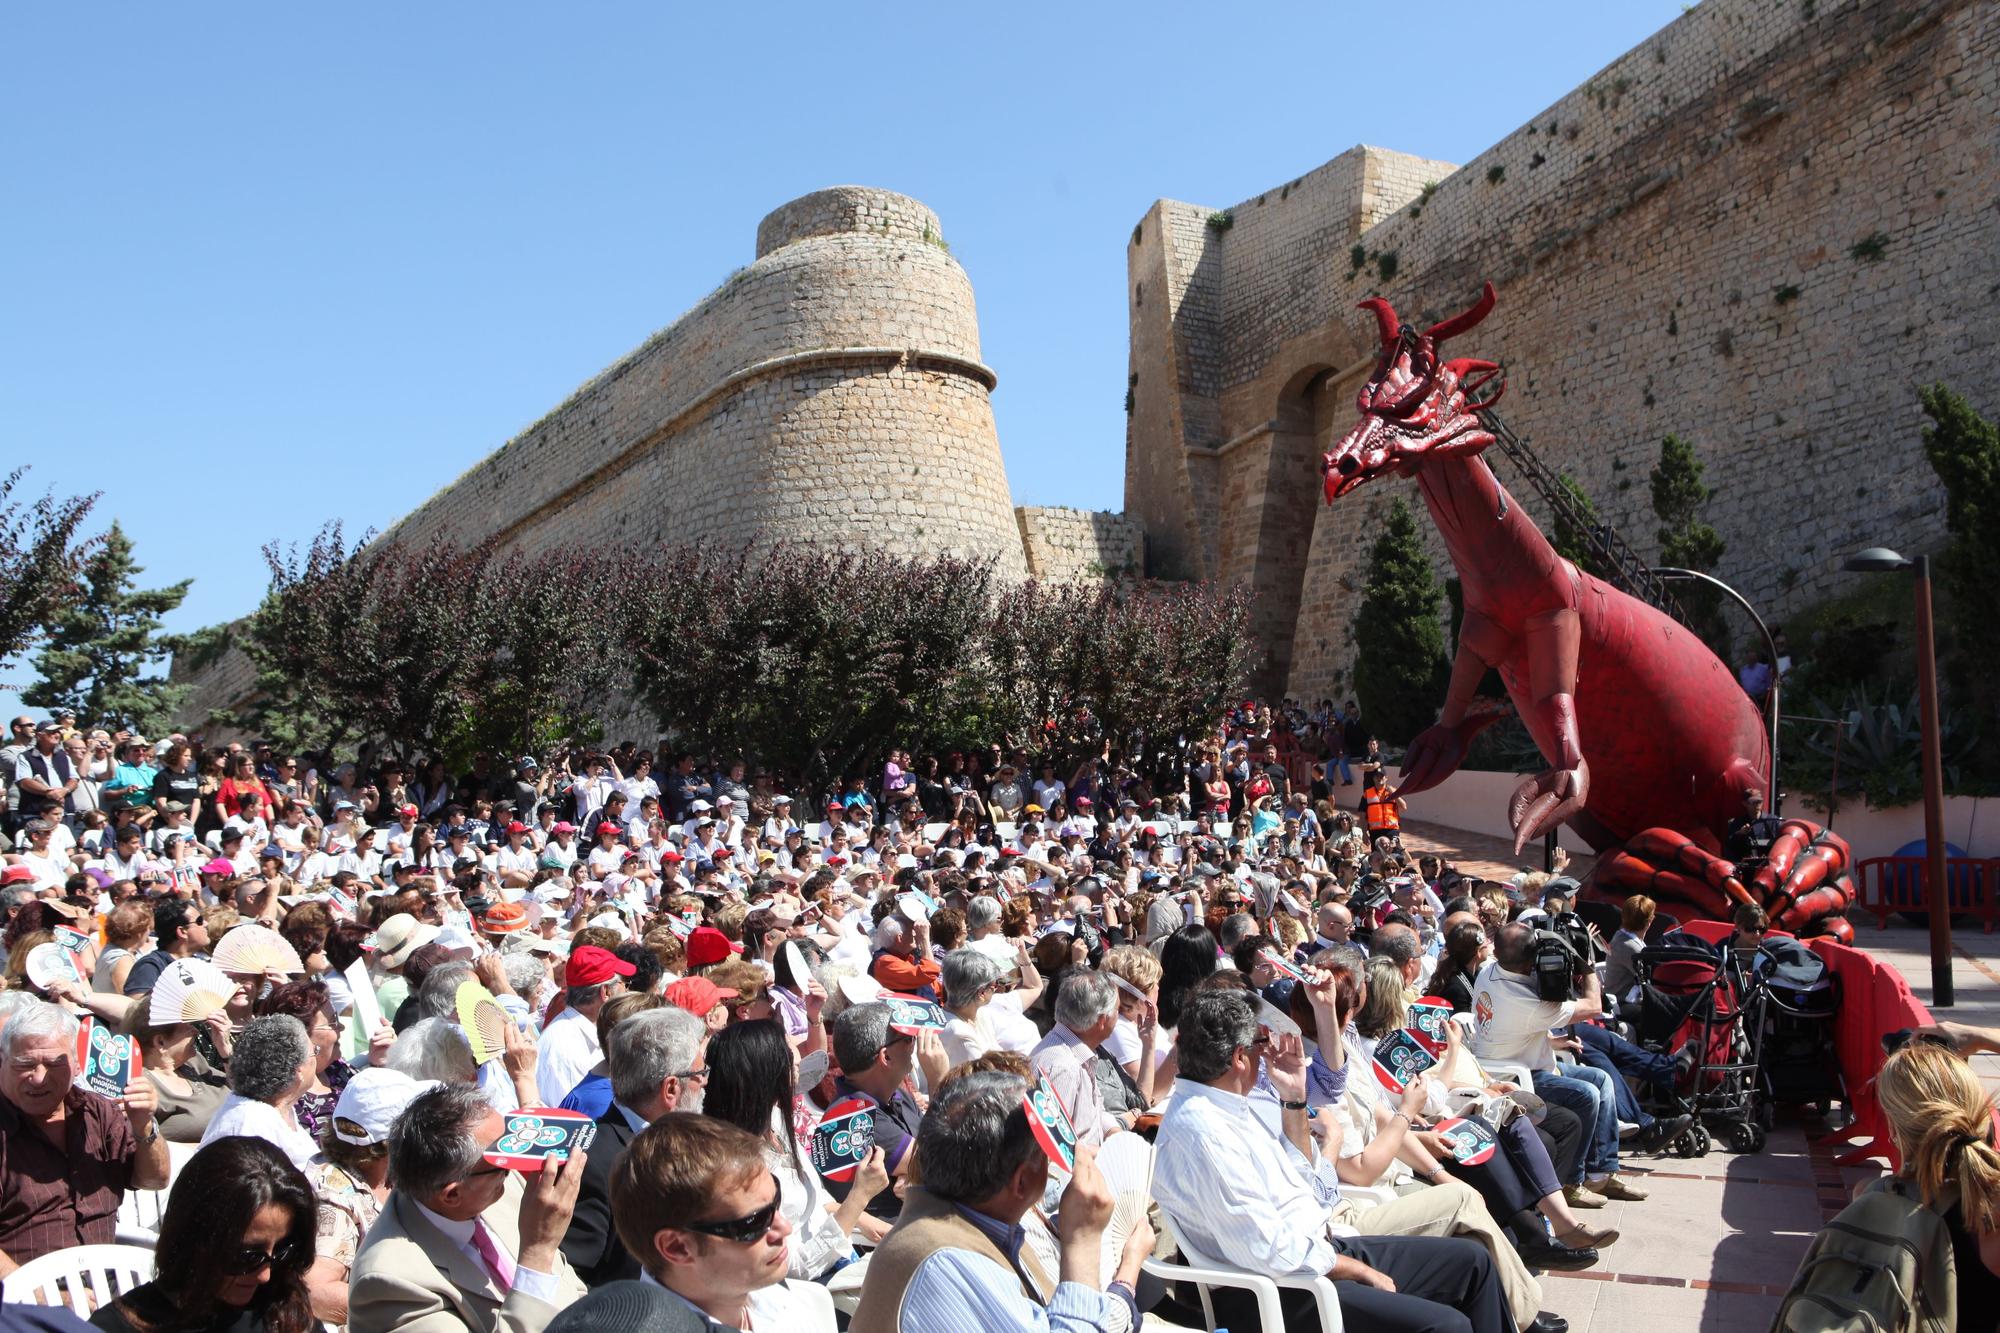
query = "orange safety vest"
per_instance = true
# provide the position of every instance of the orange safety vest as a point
(1382, 818)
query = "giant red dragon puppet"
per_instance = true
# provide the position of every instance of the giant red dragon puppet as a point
(1650, 741)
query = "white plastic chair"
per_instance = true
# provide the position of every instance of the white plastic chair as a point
(1202, 1273)
(140, 1211)
(105, 1272)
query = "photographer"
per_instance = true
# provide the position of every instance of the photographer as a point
(1515, 1027)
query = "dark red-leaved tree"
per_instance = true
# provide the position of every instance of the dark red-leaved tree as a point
(38, 561)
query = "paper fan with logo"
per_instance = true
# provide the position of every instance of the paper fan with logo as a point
(253, 950)
(484, 1021)
(188, 991)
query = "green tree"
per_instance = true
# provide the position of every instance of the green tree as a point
(1964, 450)
(1687, 542)
(1401, 670)
(38, 561)
(102, 646)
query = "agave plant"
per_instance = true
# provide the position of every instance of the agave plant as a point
(1880, 753)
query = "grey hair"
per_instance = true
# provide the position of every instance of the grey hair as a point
(266, 1057)
(31, 1017)
(649, 1048)
(525, 973)
(577, 997)
(438, 996)
(1399, 946)
(887, 932)
(14, 897)
(1236, 928)
(966, 972)
(982, 912)
(830, 975)
(1084, 998)
(433, 1048)
(432, 1143)
(859, 1035)
(1214, 1025)
(975, 1137)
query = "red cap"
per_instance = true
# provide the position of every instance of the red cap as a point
(407, 810)
(608, 827)
(671, 855)
(1081, 803)
(592, 966)
(698, 995)
(562, 826)
(721, 852)
(835, 805)
(17, 875)
(517, 827)
(708, 946)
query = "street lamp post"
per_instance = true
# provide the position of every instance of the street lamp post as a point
(1771, 797)
(1882, 560)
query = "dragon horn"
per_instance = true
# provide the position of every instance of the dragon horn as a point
(1458, 324)
(1475, 378)
(1385, 319)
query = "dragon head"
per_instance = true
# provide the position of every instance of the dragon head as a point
(1415, 406)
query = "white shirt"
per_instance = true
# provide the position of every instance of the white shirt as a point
(789, 1307)
(240, 1117)
(1231, 1188)
(568, 1052)
(1514, 1021)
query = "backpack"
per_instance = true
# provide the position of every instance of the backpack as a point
(1884, 1265)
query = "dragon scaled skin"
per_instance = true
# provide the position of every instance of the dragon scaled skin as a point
(1649, 739)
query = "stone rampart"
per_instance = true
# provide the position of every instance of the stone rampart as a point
(1066, 545)
(1763, 228)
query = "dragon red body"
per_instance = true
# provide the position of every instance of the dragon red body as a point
(1651, 744)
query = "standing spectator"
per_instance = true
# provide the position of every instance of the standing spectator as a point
(67, 1156)
(235, 1244)
(241, 782)
(1009, 797)
(460, 1242)
(45, 769)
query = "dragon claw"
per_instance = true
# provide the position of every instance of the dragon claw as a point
(1545, 800)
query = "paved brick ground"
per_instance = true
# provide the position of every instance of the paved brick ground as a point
(1717, 1243)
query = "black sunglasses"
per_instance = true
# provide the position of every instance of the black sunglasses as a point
(742, 1230)
(247, 1261)
(1901, 1037)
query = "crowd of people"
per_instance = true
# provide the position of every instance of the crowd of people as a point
(347, 982)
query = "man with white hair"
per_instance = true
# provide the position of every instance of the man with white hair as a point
(67, 1155)
(1086, 1012)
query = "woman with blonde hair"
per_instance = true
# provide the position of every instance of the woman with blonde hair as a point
(1941, 1118)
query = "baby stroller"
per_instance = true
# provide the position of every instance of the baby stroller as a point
(1696, 1004)
(1798, 996)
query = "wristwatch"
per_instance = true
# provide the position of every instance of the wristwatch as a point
(1291, 1106)
(152, 1134)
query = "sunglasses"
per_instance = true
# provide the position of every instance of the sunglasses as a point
(247, 1261)
(745, 1229)
(1897, 1040)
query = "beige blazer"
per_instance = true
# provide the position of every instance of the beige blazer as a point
(410, 1278)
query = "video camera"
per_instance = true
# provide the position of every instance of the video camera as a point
(1563, 956)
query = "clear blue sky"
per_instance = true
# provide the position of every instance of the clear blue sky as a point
(266, 266)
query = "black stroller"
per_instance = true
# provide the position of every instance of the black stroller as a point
(1697, 1004)
(1798, 998)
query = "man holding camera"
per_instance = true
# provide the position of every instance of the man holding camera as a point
(1515, 1026)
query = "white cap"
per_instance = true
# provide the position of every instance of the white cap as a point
(699, 804)
(372, 1100)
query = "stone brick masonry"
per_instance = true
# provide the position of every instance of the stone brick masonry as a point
(1763, 228)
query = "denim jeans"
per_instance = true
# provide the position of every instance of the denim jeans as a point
(1585, 1092)
(1346, 773)
(1606, 1051)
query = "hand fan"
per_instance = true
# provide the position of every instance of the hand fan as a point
(253, 950)
(484, 1021)
(188, 991)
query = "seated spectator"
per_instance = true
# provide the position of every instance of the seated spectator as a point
(178, 932)
(1464, 954)
(903, 961)
(750, 1086)
(957, 1258)
(1941, 1118)
(461, 1243)
(593, 1095)
(568, 1047)
(307, 1001)
(351, 1178)
(235, 1243)
(1236, 1190)
(1086, 1011)
(189, 1089)
(1621, 963)
(1515, 1027)
(270, 1068)
(875, 1060)
(657, 1064)
(67, 1156)
(696, 1202)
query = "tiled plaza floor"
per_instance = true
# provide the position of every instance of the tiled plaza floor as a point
(1716, 1245)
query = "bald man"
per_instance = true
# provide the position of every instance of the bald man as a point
(1335, 922)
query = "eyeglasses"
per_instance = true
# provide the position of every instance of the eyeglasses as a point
(745, 1229)
(693, 1075)
(247, 1261)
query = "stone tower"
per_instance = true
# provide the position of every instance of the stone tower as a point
(830, 392)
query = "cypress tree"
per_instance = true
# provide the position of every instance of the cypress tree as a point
(1686, 542)
(103, 644)
(1964, 450)
(1400, 670)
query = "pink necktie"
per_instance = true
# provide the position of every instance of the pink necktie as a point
(497, 1261)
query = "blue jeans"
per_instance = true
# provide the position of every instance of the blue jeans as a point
(1583, 1091)
(1610, 1053)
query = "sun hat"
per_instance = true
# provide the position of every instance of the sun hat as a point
(399, 937)
(504, 919)
(371, 1101)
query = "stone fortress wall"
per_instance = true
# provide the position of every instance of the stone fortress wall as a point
(1763, 228)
